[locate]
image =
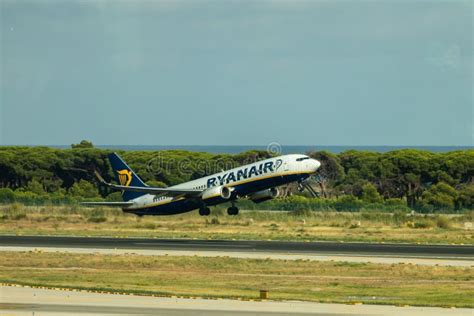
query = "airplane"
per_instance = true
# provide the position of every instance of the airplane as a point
(257, 181)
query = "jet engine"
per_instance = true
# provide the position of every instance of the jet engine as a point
(264, 195)
(220, 191)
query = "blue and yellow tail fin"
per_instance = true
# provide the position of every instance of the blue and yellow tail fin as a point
(126, 177)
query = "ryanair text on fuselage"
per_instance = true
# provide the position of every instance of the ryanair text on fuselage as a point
(244, 173)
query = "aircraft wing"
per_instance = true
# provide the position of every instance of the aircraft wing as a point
(151, 190)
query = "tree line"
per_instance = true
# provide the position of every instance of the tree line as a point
(410, 178)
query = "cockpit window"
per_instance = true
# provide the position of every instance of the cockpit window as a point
(302, 158)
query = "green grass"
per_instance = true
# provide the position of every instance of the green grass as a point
(225, 277)
(369, 226)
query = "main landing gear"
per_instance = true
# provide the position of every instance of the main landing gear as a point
(233, 210)
(204, 211)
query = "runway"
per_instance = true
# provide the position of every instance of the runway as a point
(318, 248)
(432, 255)
(32, 301)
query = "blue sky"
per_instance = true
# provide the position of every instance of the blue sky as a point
(237, 72)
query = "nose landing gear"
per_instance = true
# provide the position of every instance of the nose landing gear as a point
(301, 187)
(304, 185)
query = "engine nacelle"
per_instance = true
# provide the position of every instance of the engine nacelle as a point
(222, 191)
(264, 195)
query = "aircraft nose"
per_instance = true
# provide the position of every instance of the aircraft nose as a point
(315, 165)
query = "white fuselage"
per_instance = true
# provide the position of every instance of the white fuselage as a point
(242, 179)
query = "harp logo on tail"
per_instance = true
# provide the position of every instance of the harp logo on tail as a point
(125, 177)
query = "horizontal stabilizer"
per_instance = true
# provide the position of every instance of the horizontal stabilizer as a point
(116, 204)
